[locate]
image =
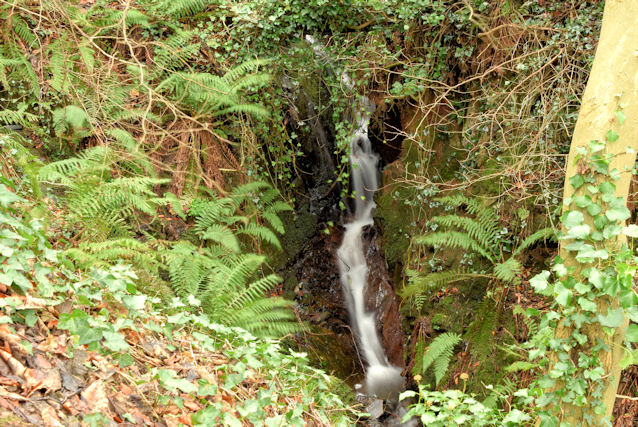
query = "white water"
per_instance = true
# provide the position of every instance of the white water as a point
(382, 379)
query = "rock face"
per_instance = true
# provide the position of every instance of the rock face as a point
(321, 302)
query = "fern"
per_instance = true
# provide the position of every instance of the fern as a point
(472, 227)
(419, 284)
(479, 333)
(542, 234)
(20, 116)
(454, 239)
(260, 232)
(478, 234)
(439, 354)
(207, 94)
(182, 8)
(71, 119)
(508, 271)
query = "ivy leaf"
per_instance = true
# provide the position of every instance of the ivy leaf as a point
(587, 305)
(612, 136)
(582, 201)
(7, 197)
(607, 187)
(539, 282)
(596, 278)
(589, 254)
(594, 209)
(579, 231)
(618, 213)
(632, 333)
(115, 341)
(631, 230)
(595, 146)
(620, 116)
(573, 219)
(563, 295)
(577, 181)
(169, 380)
(613, 319)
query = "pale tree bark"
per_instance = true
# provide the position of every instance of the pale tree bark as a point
(612, 85)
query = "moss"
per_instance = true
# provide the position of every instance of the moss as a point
(8, 419)
(439, 321)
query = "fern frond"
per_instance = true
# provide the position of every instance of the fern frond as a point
(439, 353)
(183, 8)
(221, 234)
(474, 229)
(485, 216)
(254, 290)
(261, 232)
(420, 283)
(454, 239)
(248, 190)
(274, 221)
(542, 234)
(64, 171)
(20, 116)
(508, 271)
(71, 119)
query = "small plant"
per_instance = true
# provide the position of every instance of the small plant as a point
(479, 234)
(455, 408)
(437, 355)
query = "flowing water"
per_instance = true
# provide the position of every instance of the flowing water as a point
(382, 379)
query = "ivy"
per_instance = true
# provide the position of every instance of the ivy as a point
(596, 294)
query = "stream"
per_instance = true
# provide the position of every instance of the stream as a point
(382, 378)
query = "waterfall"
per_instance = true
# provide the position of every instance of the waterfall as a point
(382, 379)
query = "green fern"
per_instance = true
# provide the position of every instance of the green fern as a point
(455, 239)
(438, 355)
(419, 284)
(20, 116)
(208, 94)
(542, 234)
(182, 8)
(508, 271)
(479, 234)
(71, 119)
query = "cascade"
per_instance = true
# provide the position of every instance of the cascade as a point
(382, 379)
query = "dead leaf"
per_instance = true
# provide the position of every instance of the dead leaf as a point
(16, 366)
(9, 395)
(9, 382)
(72, 404)
(50, 417)
(95, 398)
(47, 378)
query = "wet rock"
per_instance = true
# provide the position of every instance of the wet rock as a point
(381, 298)
(375, 408)
(320, 301)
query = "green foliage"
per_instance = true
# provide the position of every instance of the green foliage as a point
(592, 296)
(478, 234)
(221, 274)
(101, 205)
(106, 307)
(206, 94)
(455, 408)
(437, 356)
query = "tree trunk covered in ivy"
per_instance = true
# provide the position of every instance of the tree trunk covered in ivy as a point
(608, 116)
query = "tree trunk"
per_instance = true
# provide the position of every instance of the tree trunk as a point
(612, 85)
